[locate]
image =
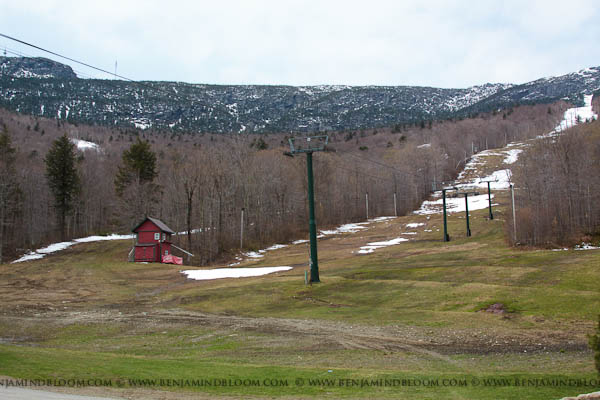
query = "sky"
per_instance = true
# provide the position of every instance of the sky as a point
(449, 44)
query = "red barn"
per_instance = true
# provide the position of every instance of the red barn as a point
(153, 240)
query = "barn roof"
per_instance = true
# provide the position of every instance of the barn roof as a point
(161, 225)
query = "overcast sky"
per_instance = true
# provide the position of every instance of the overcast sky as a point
(366, 42)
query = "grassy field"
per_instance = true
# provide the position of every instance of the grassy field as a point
(408, 321)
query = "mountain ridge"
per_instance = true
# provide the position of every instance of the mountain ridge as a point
(43, 87)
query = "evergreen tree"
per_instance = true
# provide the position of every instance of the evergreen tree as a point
(9, 187)
(139, 166)
(63, 179)
(134, 182)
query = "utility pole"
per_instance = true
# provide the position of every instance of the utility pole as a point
(309, 145)
(242, 230)
(367, 204)
(395, 204)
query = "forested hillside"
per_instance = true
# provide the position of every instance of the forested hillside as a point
(203, 181)
(46, 88)
(557, 181)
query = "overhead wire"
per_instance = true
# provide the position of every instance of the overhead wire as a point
(374, 162)
(157, 88)
(65, 57)
(334, 165)
(22, 54)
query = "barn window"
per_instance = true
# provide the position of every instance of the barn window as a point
(164, 237)
(157, 236)
(166, 252)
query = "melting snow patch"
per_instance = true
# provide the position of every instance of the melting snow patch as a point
(255, 254)
(260, 253)
(276, 246)
(501, 180)
(84, 145)
(454, 205)
(586, 246)
(299, 241)
(53, 248)
(573, 116)
(415, 224)
(512, 155)
(379, 219)
(220, 273)
(371, 247)
(347, 228)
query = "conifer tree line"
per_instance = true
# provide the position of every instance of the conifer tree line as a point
(57, 192)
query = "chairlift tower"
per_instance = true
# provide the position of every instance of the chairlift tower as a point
(467, 194)
(445, 213)
(309, 145)
(490, 196)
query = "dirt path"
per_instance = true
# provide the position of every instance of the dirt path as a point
(437, 344)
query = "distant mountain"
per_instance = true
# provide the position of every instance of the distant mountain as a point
(43, 87)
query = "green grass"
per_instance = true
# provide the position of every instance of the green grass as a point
(129, 370)
(432, 287)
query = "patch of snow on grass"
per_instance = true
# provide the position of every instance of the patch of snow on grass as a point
(512, 155)
(260, 253)
(84, 145)
(346, 228)
(254, 254)
(586, 246)
(276, 246)
(53, 248)
(379, 219)
(371, 247)
(576, 115)
(415, 224)
(454, 205)
(500, 178)
(220, 273)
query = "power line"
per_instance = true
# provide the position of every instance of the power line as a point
(21, 54)
(151, 87)
(374, 162)
(360, 172)
(65, 57)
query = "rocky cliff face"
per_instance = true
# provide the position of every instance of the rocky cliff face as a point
(43, 68)
(46, 88)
